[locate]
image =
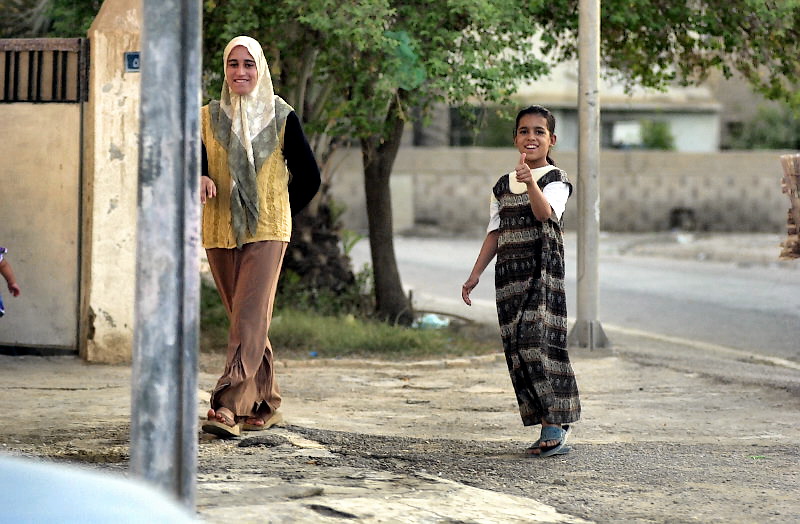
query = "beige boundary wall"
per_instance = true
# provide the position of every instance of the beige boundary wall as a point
(111, 171)
(449, 188)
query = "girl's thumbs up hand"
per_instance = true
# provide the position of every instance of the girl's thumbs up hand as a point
(524, 172)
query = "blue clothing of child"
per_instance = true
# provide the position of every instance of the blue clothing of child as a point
(3, 251)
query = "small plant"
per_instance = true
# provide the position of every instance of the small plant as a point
(349, 240)
(354, 298)
(213, 319)
(657, 135)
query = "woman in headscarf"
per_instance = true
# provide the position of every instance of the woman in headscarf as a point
(258, 171)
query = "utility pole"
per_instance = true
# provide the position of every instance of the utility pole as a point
(164, 389)
(587, 331)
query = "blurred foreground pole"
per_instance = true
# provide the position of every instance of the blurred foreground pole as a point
(164, 389)
(587, 331)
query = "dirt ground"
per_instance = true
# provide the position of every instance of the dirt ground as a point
(663, 437)
(655, 445)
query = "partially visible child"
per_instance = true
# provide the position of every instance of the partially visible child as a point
(8, 274)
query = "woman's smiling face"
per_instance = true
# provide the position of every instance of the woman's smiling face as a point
(241, 73)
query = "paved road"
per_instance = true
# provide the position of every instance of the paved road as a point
(753, 309)
(747, 304)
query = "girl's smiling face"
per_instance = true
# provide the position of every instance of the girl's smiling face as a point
(241, 73)
(534, 139)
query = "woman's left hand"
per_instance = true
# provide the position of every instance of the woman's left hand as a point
(524, 172)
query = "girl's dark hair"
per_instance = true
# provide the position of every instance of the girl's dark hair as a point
(541, 111)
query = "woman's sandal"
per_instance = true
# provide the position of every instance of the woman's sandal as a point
(275, 418)
(227, 429)
(551, 433)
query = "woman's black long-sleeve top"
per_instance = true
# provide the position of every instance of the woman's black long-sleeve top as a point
(305, 179)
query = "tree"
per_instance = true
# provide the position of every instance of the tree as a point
(359, 80)
(773, 127)
(657, 42)
(72, 17)
(38, 18)
(23, 18)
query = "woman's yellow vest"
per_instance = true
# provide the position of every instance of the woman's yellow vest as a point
(274, 215)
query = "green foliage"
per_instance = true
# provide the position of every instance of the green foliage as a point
(404, 68)
(348, 73)
(72, 18)
(52, 18)
(349, 240)
(657, 42)
(296, 332)
(467, 48)
(355, 299)
(213, 319)
(772, 128)
(483, 126)
(657, 135)
(348, 336)
(22, 19)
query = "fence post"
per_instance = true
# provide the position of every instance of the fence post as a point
(164, 389)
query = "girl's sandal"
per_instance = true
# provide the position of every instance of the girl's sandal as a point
(227, 429)
(551, 433)
(558, 434)
(533, 447)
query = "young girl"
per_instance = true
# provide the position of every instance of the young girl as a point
(525, 233)
(258, 171)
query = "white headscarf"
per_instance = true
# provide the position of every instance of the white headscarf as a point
(250, 113)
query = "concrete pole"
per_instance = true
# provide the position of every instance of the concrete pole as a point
(587, 331)
(164, 390)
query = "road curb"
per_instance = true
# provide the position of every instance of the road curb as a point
(461, 362)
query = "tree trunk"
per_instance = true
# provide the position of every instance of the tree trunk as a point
(314, 253)
(379, 154)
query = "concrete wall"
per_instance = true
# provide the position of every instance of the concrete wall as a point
(450, 189)
(111, 149)
(39, 222)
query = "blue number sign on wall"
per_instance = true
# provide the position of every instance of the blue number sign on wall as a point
(132, 62)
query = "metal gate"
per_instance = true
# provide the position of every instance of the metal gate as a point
(43, 84)
(42, 70)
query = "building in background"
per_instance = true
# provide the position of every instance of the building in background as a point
(683, 119)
